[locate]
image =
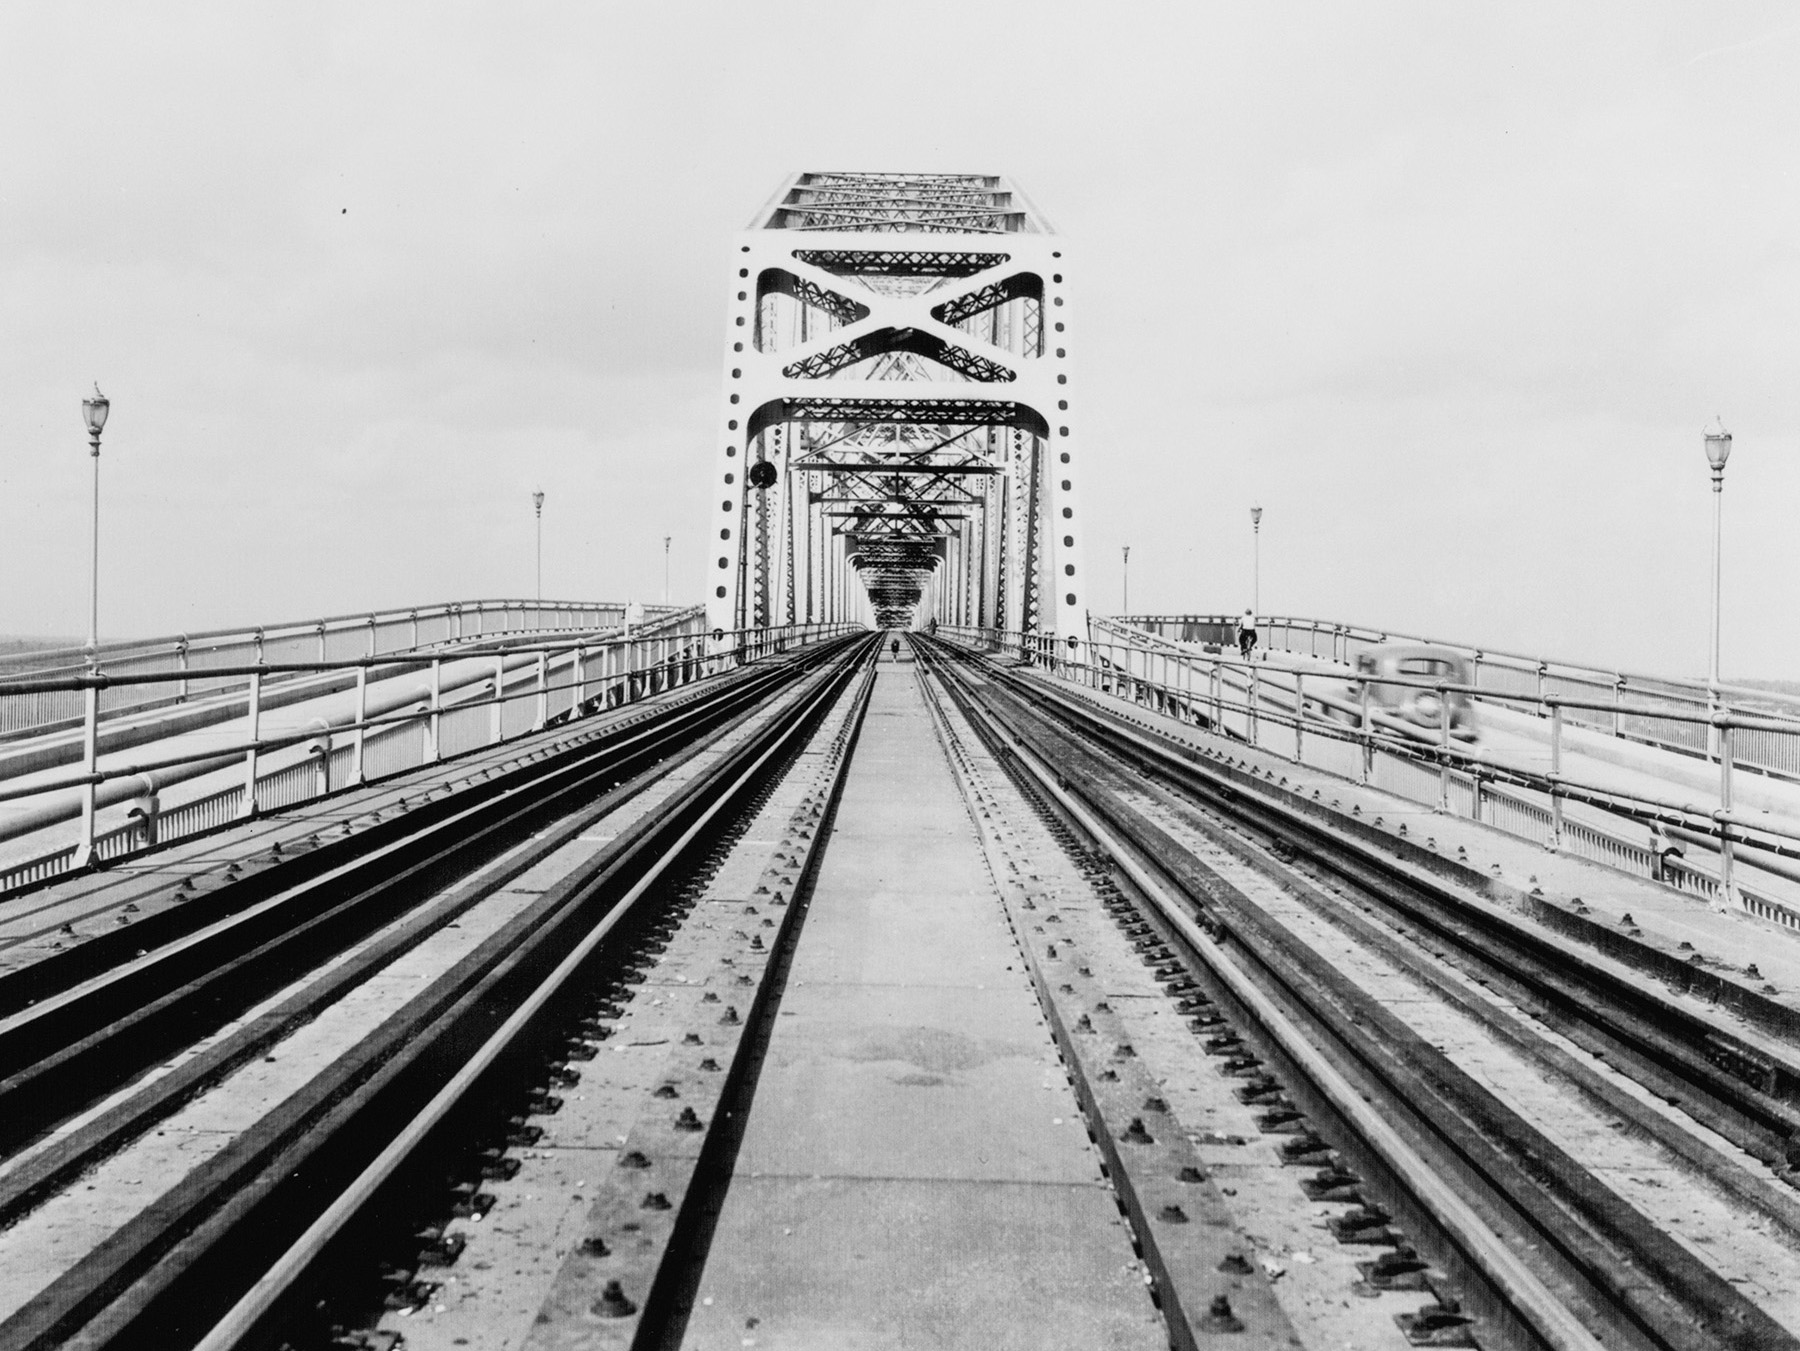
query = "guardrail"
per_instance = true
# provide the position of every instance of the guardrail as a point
(1264, 705)
(502, 689)
(1652, 710)
(198, 660)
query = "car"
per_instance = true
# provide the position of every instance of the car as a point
(1414, 702)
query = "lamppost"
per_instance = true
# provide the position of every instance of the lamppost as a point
(537, 501)
(1718, 450)
(95, 411)
(1125, 599)
(1256, 561)
(666, 539)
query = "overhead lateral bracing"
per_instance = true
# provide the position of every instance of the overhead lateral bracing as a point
(896, 441)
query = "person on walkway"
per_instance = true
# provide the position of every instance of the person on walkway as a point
(896, 649)
(1246, 633)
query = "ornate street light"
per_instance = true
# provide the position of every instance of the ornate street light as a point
(94, 410)
(537, 501)
(1125, 600)
(1256, 561)
(1718, 450)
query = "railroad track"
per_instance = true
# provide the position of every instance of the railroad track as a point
(563, 980)
(1493, 1098)
(515, 898)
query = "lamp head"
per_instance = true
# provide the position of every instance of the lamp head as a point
(1256, 516)
(537, 500)
(95, 410)
(1718, 445)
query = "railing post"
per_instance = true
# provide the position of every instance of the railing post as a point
(320, 749)
(181, 664)
(578, 682)
(360, 736)
(1556, 803)
(145, 810)
(415, 630)
(371, 635)
(434, 725)
(1443, 749)
(542, 718)
(1727, 859)
(319, 628)
(1252, 703)
(497, 715)
(1368, 735)
(1618, 706)
(1300, 717)
(85, 854)
(1475, 795)
(248, 806)
(1543, 685)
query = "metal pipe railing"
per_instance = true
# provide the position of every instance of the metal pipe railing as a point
(1517, 676)
(1110, 662)
(201, 658)
(670, 652)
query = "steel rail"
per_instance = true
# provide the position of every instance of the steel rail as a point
(1490, 1253)
(1597, 1224)
(258, 1301)
(80, 1022)
(248, 1201)
(1685, 1041)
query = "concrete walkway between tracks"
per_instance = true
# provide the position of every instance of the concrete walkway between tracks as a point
(915, 1171)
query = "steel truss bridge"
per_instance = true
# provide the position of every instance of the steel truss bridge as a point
(538, 974)
(896, 440)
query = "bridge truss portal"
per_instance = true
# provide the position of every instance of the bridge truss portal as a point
(896, 438)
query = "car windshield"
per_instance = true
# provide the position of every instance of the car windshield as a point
(1429, 667)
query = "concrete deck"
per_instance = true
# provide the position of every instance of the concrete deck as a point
(916, 1172)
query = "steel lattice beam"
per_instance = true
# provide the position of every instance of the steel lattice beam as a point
(897, 438)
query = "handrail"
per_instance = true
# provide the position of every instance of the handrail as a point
(1671, 686)
(590, 670)
(173, 643)
(1097, 663)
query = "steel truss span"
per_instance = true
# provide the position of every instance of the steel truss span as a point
(949, 493)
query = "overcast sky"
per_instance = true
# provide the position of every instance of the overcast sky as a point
(1449, 289)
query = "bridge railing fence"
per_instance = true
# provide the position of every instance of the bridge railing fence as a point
(516, 686)
(197, 661)
(1653, 710)
(1308, 718)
